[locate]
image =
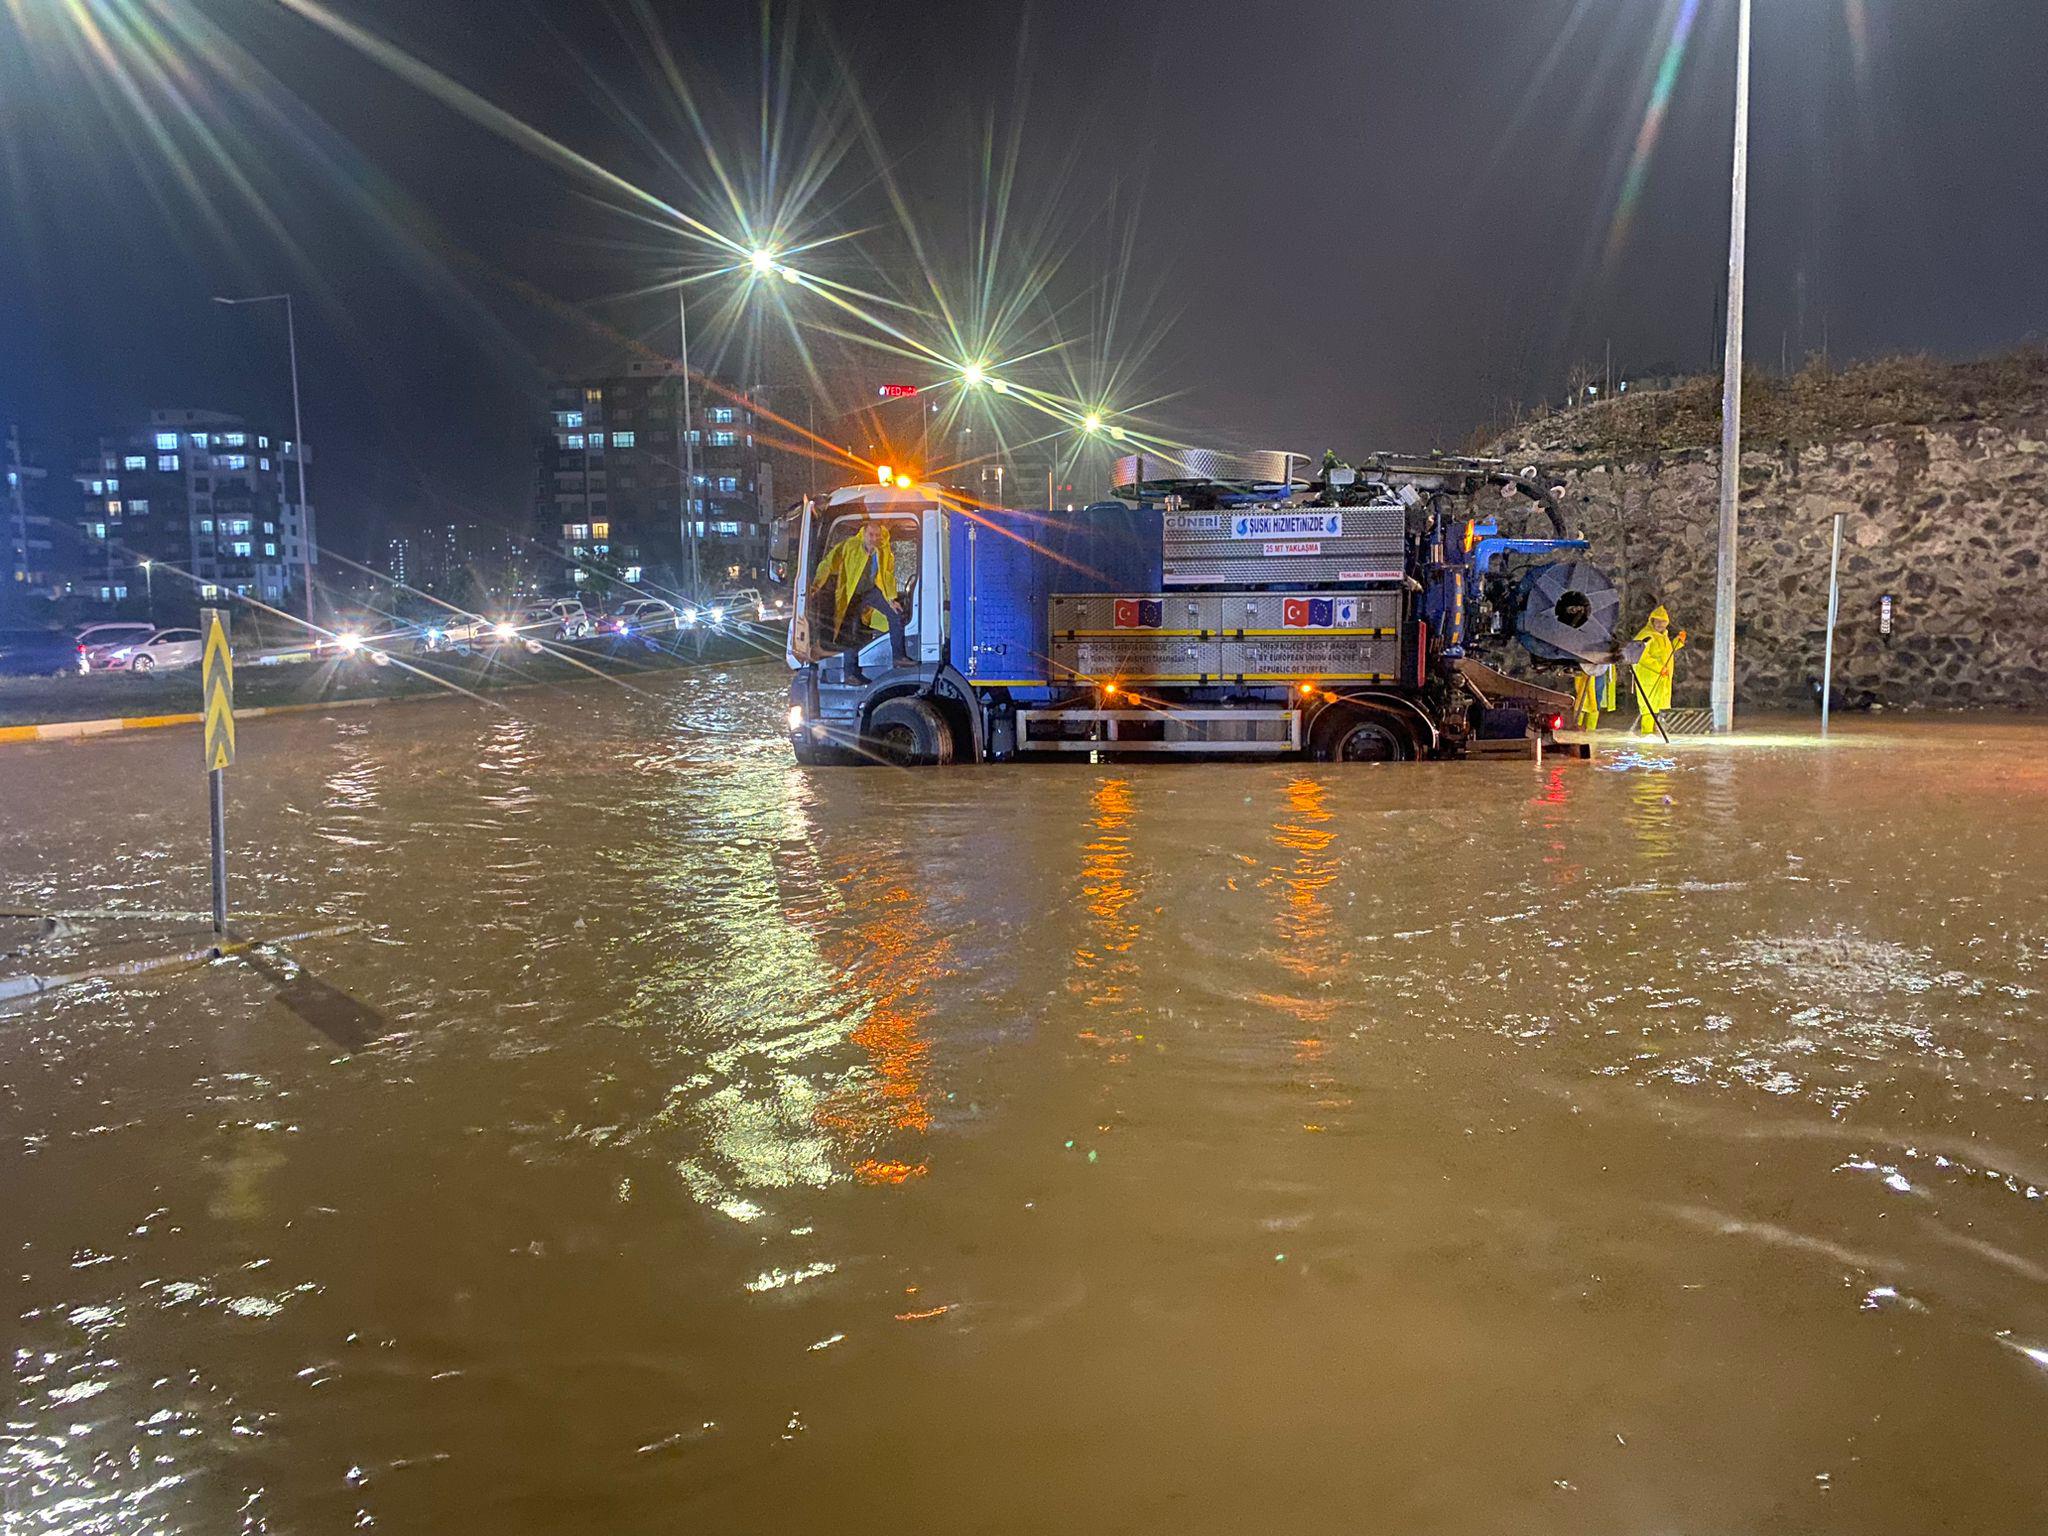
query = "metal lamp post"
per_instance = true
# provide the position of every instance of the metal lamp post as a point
(149, 589)
(686, 447)
(291, 333)
(1723, 697)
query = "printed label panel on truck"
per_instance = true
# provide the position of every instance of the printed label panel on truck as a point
(1275, 546)
(1134, 658)
(1311, 656)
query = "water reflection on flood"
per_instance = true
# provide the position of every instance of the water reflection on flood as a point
(1626, 1146)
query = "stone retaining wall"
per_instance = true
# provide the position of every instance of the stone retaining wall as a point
(1951, 520)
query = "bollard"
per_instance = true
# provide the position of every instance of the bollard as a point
(217, 692)
(1827, 666)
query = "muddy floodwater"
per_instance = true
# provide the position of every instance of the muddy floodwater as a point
(1656, 1144)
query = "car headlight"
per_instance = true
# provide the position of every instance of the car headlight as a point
(349, 643)
(689, 615)
(433, 634)
(718, 615)
(796, 717)
(504, 631)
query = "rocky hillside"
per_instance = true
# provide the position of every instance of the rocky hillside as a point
(1940, 472)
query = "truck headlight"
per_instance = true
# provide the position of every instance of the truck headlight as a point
(796, 717)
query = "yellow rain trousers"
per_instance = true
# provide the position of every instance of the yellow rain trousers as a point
(1591, 693)
(845, 563)
(1654, 674)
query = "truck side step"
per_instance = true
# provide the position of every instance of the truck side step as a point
(1234, 731)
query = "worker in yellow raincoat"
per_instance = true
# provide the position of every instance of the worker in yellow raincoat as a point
(862, 573)
(1592, 692)
(1654, 672)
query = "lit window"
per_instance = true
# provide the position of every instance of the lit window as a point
(99, 530)
(206, 525)
(113, 509)
(573, 440)
(724, 439)
(167, 462)
(622, 439)
(631, 573)
(262, 442)
(166, 440)
(208, 589)
(138, 505)
(263, 463)
(271, 550)
(99, 487)
(240, 547)
(600, 530)
(198, 439)
(572, 419)
(595, 442)
(113, 485)
(725, 527)
(728, 483)
(235, 461)
(234, 525)
(592, 396)
(721, 414)
(696, 436)
(135, 461)
(236, 439)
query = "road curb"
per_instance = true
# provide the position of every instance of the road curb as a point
(73, 730)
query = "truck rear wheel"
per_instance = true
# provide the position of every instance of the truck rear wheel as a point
(909, 733)
(1343, 734)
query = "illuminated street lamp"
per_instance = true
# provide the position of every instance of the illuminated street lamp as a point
(761, 260)
(972, 375)
(149, 585)
(1092, 422)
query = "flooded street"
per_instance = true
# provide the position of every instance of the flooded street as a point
(1656, 1144)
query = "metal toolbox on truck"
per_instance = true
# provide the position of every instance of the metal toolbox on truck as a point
(1180, 637)
(1283, 546)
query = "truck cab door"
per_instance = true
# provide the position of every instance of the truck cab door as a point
(802, 645)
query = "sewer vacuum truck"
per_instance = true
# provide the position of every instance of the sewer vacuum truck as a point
(1225, 605)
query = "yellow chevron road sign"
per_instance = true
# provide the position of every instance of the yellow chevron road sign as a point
(217, 688)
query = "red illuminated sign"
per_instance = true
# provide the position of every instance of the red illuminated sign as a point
(896, 391)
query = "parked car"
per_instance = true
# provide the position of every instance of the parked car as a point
(36, 652)
(167, 648)
(106, 635)
(560, 618)
(742, 605)
(642, 616)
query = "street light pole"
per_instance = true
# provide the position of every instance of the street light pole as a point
(686, 446)
(149, 589)
(291, 333)
(1723, 697)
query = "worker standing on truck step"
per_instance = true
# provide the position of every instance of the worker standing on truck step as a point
(1592, 692)
(862, 569)
(1655, 671)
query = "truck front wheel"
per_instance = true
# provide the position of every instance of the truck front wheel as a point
(909, 733)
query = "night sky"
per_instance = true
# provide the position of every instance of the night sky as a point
(1367, 223)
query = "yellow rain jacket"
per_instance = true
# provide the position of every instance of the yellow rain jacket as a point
(845, 563)
(1656, 670)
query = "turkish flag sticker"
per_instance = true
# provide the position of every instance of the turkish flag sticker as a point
(1127, 613)
(1294, 613)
